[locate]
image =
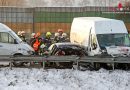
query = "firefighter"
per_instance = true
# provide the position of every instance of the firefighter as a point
(36, 43)
(47, 39)
(44, 50)
(43, 47)
(19, 33)
(64, 37)
(60, 31)
(32, 39)
(23, 36)
(56, 38)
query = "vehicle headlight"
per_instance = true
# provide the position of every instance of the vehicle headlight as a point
(104, 51)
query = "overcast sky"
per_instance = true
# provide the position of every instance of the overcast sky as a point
(61, 3)
(56, 3)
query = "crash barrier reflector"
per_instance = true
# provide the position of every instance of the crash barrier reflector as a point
(73, 58)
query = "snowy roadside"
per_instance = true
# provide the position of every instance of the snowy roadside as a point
(53, 79)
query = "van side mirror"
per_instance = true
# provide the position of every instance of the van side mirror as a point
(15, 41)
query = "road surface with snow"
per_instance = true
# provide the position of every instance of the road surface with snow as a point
(67, 79)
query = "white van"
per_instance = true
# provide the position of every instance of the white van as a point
(100, 36)
(11, 44)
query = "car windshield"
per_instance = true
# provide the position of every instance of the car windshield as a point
(113, 40)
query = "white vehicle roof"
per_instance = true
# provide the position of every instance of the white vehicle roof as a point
(4, 28)
(96, 19)
(102, 25)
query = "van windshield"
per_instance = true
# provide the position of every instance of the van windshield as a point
(113, 40)
(16, 37)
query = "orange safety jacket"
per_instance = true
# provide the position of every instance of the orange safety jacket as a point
(36, 45)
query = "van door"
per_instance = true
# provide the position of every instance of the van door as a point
(94, 45)
(92, 50)
(93, 42)
(7, 44)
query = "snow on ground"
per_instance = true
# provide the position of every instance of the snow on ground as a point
(67, 79)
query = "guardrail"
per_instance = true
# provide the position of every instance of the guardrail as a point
(76, 59)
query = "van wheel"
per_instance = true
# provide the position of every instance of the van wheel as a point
(17, 63)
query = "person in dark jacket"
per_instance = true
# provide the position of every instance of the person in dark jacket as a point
(47, 39)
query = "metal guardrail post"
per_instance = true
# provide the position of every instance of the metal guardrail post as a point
(43, 65)
(44, 62)
(10, 65)
(77, 63)
(113, 64)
